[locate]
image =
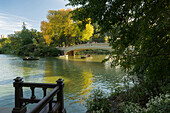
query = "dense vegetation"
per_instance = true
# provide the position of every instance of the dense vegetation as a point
(26, 42)
(139, 32)
(60, 30)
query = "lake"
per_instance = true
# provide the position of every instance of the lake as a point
(81, 76)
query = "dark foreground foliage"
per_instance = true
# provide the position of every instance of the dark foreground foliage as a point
(140, 36)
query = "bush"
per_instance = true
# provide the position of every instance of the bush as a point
(47, 51)
(98, 103)
(158, 104)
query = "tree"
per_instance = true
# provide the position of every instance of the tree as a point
(25, 35)
(88, 31)
(24, 41)
(28, 42)
(60, 29)
(46, 32)
(4, 45)
(139, 35)
(97, 35)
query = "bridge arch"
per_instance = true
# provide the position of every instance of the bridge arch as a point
(71, 50)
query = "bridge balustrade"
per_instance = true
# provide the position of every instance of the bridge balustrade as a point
(45, 105)
(71, 50)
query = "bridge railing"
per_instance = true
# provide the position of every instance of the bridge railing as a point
(84, 45)
(45, 105)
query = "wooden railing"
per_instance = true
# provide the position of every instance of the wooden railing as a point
(45, 105)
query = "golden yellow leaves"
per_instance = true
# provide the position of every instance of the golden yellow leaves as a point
(88, 31)
(47, 38)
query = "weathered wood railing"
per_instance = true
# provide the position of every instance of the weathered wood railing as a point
(45, 105)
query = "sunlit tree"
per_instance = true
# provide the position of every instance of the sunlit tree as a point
(60, 29)
(88, 31)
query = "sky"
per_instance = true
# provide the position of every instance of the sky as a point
(14, 12)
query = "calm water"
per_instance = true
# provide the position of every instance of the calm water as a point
(80, 76)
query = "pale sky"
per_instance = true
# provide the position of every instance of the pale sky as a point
(14, 12)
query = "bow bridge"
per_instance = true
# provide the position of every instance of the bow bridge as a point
(71, 50)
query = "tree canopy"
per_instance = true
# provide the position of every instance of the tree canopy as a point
(60, 29)
(28, 42)
(139, 32)
(88, 31)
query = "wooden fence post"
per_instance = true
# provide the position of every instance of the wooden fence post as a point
(60, 96)
(19, 107)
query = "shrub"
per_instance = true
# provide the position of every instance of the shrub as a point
(47, 51)
(98, 103)
(158, 104)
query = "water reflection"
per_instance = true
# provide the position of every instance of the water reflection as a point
(80, 77)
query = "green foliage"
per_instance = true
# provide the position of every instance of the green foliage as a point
(158, 104)
(139, 34)
(131, 108)
(26, 42)
(98, 36)
(47, 51)
(98, 103)
(25, 35)
(135, 98)
(139, 31)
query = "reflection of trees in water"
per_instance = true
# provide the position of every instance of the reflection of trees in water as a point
(77, 79)
(86, 86)
(32, 70)
(78, 76)
(50, 68)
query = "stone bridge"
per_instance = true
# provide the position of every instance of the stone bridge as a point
(71, 50)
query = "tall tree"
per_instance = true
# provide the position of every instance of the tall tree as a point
(24, 41)
(60, 28)
(139, 34)
(25, 35)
